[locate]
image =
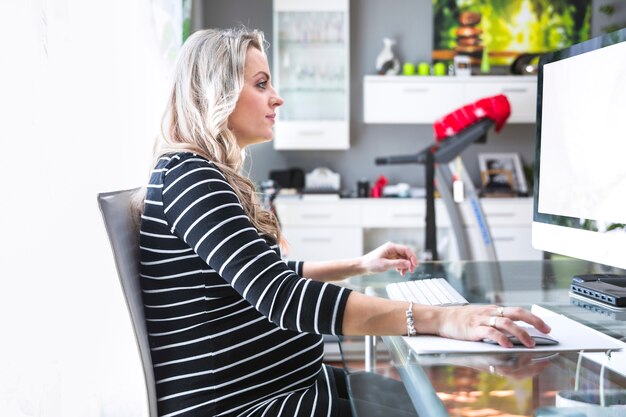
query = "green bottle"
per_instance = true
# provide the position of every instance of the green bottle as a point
(484, 63)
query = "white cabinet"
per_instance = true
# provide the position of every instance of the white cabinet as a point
(311, 72)
(521, 92)
(321, 230)
(422, 100)
(391, 99)
(348, 228)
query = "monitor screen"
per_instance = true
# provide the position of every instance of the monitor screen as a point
(580, 155)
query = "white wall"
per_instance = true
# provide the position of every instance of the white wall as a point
(82, 85)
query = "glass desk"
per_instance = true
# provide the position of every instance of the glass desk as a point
(505, 384)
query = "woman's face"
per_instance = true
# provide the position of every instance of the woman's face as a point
(255, 112)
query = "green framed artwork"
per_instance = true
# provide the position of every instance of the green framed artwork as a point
(501, 30)
(186, 19)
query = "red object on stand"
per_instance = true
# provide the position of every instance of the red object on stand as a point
(496, 108)
(377, 189)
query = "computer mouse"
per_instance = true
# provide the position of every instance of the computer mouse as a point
(541, 339)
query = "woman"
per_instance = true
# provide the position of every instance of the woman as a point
(235, 330)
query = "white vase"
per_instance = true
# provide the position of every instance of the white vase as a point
(386, 61)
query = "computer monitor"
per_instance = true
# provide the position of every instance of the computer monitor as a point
(580, 155)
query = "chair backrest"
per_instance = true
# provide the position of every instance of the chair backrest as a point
(124, 237)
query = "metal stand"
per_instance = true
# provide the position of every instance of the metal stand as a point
(484, 252)
(370, 342)
(431, 225)
(438, 158)
(370, 353)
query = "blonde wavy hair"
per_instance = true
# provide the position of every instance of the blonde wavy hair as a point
(208, 78)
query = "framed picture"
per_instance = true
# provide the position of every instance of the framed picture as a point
(502, 173)
(500, 31)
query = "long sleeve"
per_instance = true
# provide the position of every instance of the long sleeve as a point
(296, 266)
(202, 209)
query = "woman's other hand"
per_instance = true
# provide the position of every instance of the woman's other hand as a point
(390, 255)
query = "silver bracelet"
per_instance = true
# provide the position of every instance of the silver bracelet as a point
(410, 324)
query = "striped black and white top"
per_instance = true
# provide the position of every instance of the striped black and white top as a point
(234, 329)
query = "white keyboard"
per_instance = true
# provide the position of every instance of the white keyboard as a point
(432, 291)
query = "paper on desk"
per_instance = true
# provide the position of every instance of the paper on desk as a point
(572, 336)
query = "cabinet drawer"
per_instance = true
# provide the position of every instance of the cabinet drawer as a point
(401, 214)
(311, 135)
(502, 212)
(508, 213)
(408, 101)
(521, 95)
(319, 214)
(514, 244)
(322, 244)
(394, 215)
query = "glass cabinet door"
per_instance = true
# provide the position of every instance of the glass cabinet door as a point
(311, 70)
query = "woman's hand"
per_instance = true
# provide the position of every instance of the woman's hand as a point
(487, 322)
(387, 256)
(390, 255)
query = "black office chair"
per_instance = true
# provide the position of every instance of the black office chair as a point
(123, 235)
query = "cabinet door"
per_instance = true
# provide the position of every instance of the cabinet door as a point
(521, 94)
(311, 73)
(408, 100)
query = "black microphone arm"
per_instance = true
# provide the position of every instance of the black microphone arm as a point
(418, 158)
(446, 150)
